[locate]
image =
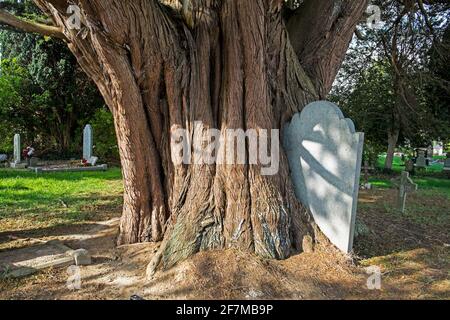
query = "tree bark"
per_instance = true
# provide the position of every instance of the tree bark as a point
(392, 144)
(228, 64)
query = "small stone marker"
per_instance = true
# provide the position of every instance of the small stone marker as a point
(367, 185)
(325, 155)
(421, 161)
(405, 186)
(88, 142)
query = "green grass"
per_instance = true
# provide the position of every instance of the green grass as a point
(427, 184)
(28, 200)
(398, 165)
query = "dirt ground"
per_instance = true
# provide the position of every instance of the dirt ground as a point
(413, 257)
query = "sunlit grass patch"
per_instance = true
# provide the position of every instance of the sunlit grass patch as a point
(28, 200)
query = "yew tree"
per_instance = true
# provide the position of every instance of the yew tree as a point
(230, 64)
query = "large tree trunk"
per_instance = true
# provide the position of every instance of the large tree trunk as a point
(227, 64)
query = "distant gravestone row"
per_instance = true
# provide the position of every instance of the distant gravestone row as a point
(88, 157)
(325, 155)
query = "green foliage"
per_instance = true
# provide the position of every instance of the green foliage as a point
(105, 137)
(396, 78)
(371, 106)
(44, 94)
(13, 83)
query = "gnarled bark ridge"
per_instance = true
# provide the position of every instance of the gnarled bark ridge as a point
(229, 64)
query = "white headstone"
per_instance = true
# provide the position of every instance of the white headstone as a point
(325, 154)
(438, 148)
(17, 149)
(88, 142)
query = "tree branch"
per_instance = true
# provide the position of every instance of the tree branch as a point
(29, 26)
(320, 32)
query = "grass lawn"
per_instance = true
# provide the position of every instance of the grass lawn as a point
(427, 185)
(29, 201)
(398, 165)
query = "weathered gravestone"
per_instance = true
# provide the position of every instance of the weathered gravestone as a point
(88, 142)
(367, 185)
(17, 156)
(17, 149)
(421, 162)
(447, 164)
(405, 185)
(447, 167)
(325, 154)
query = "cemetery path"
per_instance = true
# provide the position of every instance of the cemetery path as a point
(413, 255)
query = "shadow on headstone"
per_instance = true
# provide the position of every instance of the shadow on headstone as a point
(325, 155)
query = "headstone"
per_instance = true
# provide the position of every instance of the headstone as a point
(325, 155)
(405, 186)
(438, 148)
(17, 156)
(17, 149)
(447, 164)
(367, 185)
(421, 161)
(3, 157)
(88, 142)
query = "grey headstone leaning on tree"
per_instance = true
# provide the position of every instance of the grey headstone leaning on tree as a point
(325, 155)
